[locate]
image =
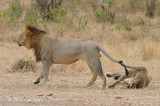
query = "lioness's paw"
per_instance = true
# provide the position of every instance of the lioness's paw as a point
(111, 86)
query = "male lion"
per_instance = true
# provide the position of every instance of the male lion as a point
(50, 50)
(137, 78)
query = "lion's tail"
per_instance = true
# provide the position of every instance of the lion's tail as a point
(116, 61)
(107, 55)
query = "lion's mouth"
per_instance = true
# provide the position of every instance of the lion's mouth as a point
(19, 45)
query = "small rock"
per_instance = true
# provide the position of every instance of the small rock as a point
(40, 95)
(50, 94)
(118, 97)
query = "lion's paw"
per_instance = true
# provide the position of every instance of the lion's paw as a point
(111, 86)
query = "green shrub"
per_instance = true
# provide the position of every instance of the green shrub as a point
(24, 65)
(111, 3)
(32, 17)
(101, 16)
(59, 14)
(14, 12)
(107, 13)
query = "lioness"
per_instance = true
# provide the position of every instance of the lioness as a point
(50, 50)
(137, 78)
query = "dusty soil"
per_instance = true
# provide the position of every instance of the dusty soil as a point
(16, 88)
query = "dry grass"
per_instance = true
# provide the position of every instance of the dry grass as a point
(140, 46)
(149, 50)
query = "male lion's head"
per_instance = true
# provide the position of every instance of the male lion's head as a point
(30, 38)
(21, 40)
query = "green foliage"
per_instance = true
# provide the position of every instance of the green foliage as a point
(127, 26)
(59, 14)
(24, 65)
(106, 13)
(14, 12)
(32, 17)
(111, 3)
(101, 16)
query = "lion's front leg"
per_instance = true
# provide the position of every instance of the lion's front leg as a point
(38, 79)
(43, 77)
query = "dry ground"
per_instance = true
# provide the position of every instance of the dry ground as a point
(67, 83)
(67, 88)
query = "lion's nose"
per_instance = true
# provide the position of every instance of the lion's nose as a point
(14, 40)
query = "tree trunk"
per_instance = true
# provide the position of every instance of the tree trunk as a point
(150, 5)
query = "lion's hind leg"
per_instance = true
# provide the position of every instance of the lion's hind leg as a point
(96, 69)
(94, 77)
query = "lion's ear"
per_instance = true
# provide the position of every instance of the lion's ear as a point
(28, 32)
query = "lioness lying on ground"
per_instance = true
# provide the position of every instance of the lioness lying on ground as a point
(137, 78)
(50, 50)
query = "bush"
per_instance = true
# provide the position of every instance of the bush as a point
(14, 12)
(101, 15)
(59, 14)
(24, 65)
(31, 17)
(106, 13)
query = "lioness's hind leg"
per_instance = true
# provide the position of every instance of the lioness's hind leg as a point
(116, 76)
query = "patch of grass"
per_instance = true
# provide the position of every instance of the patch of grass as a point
(127, 25)
(137, 5)
(60, 29)
(59, 14)
(83, 22)
(101, 15)
(24, 65)
(13, 13)
(149, 50)
(31, 17)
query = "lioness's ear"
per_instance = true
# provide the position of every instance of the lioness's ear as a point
(28, 32)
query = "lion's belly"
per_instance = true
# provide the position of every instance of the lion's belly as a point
(64, 61)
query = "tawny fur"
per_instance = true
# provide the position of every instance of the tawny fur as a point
(50, 50)
(137, 78)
